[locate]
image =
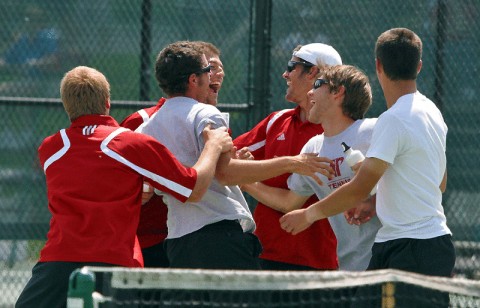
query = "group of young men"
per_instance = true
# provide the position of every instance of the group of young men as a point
(292, 162)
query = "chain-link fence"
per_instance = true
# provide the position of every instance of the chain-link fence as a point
(41, 40)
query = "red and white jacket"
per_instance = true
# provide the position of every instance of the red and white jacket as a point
(94, 171)
(152, 227)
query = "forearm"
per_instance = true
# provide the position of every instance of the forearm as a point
(342, 199)
(276, 198)
(237, 172)
(205, 168)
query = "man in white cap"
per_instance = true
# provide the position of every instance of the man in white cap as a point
(339, 101)
(284, 133)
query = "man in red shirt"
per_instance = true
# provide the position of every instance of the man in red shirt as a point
(94, 171)
(152, 227)
(284, 133)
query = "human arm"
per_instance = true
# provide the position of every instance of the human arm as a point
(345, 197)
(236, 172)
(217, 143)
(443, 184)
(279, 199)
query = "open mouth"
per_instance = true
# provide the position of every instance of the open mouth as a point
(215, 87)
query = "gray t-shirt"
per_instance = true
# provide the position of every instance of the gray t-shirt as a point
(354, 242)
(178, 125)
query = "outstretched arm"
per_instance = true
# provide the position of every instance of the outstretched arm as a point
(236, 172)
(279, 199)
(345, 197)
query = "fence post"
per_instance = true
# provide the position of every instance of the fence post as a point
(145, 50)
(80, 289)
(261, 60)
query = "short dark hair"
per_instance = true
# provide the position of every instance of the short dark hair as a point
(399, 50)
(174, 64)
(358, 93)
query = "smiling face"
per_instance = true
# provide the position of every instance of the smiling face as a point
(216, 79)
(320, 103)
(298, 83)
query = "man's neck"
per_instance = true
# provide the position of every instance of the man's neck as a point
(337, 125)
(393, 90)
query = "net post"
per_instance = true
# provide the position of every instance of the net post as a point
(81, 286)
(388, 295)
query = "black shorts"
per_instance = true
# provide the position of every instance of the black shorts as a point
(155, 256)
(434, 256)
(48, 286)
(221, 245)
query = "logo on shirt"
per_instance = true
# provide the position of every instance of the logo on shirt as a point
(88, 130)
(281, 137)
(338, 180)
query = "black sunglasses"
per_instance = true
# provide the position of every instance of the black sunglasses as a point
(291, 65)
(206, 69)
(319, 82)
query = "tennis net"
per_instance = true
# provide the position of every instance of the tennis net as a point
(121, 287)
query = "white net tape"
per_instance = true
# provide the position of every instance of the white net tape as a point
(123, 278)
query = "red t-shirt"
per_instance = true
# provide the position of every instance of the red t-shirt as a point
(152, 227)
(94, 171)
(282, 134)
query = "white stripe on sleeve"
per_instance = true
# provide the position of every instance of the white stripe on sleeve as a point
(182, 190)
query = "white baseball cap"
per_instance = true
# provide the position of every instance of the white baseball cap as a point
(319, 54)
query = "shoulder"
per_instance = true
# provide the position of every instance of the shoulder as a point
(367, 123)
(314, 143)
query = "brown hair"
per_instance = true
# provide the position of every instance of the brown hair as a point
(84, 91)
(358, 93)
(174, 64)
(208, 49)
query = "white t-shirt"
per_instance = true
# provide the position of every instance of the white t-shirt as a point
(411, 137)
(354, 242)
(178, 125)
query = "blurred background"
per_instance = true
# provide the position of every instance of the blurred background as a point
(41, 40)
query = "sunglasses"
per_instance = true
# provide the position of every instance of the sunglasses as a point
(319, 82)
(206, 69)
(291, 65)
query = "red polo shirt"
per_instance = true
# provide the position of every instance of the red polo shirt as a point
(94, 171)
(282, 134)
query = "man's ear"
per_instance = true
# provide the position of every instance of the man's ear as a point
(340, 91)
(192, 79)
(378, 66)
(419, 67)
(314, 71)
(107, 104)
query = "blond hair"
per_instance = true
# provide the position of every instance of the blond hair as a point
(84, 91)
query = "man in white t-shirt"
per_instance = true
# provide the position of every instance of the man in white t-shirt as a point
(338, 101)
(407, 159)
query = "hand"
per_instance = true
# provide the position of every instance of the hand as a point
(147, 192)
(295, 221)
(311, 163)
(219, 136)
(244, 153)
(362, 213)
